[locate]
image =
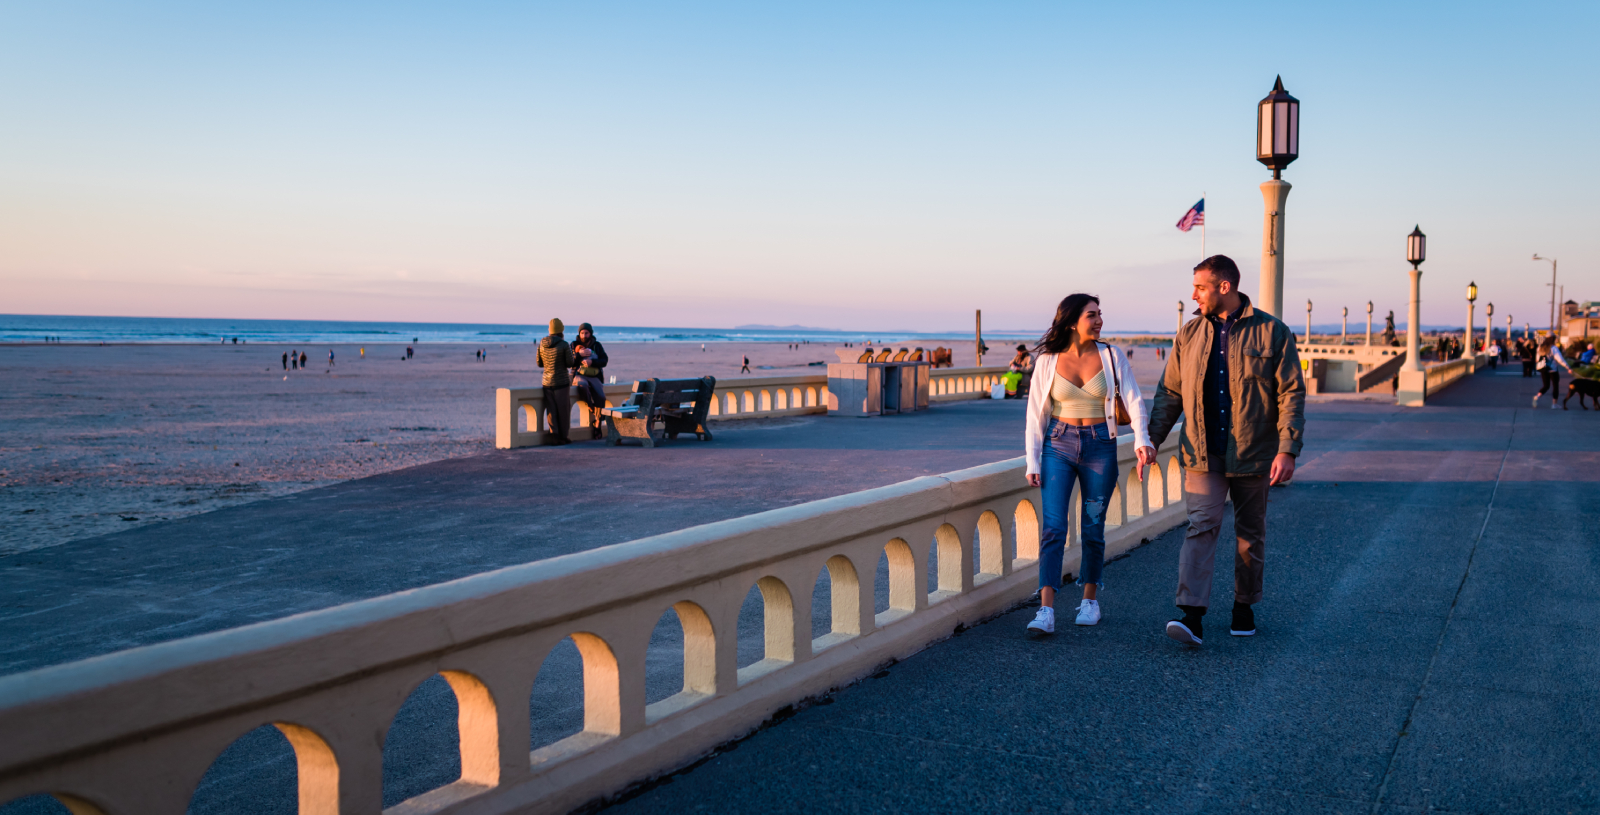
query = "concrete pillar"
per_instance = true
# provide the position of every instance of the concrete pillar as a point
(1413, 380)
(1274, 195)
(1466, 343)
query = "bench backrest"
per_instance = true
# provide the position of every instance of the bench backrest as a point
(654, 394)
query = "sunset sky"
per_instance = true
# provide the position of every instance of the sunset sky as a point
(843, 165)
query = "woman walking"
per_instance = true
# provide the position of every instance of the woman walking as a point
(1545, 361)
(1071, 436)
(590, 357)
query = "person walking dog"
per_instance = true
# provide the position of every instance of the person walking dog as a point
(1234, 375)
(1071, 435)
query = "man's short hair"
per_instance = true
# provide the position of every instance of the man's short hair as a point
(1222, 267)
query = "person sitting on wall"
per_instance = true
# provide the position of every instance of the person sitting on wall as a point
(1018, 373)
(590, 358)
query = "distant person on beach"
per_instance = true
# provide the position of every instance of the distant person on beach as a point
(285, 361)
(363, 352)
(294, 360)
(1070, 435)
(555, 357)
(745, 368)
(408, 352)
(304, 359)
(330, 357)
(590, 357)
(1242, 429)
(1548, 362)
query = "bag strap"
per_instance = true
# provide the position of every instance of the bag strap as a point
(1116, 382)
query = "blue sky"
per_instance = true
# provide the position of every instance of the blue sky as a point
(848, 165)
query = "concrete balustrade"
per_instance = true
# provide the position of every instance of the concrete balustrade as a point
(132, 733)
(516, 422)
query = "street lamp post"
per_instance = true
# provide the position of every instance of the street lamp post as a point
(1180, 323)
(1552, 291)
(1472, 311)
(1488, 327)
(1413, 380)
(1308, 322)
(1277, 144)
(1369, 322)
(1344, 323)
(1508, 329)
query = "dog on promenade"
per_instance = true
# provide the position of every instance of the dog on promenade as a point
(1582, 387)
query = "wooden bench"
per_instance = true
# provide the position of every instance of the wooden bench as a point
(660, 407)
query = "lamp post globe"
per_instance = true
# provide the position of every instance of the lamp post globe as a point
(1277, 145)
(1277, 129)
(1416, 246)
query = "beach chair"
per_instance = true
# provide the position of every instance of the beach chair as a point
(661, 408)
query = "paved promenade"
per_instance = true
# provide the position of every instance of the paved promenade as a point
(1429, 642)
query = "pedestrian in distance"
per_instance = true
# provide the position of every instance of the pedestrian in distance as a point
(590, 357)
(330, 357)
(1493, 351)
(1234, 378)
(1070, 435)
(285, 360)
(1549, 362)
(555, 357)
(304, 359)
(745, 367)
(1528, 353)
(294, 359)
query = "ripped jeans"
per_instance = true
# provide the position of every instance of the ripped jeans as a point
(1087, 455)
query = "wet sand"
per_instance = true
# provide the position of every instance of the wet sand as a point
(100, 439)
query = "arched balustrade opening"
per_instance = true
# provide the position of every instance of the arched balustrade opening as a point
(991, 546)
(1174, 481)
(257, 772)
(749, 405)
(680, 660)
(47, 804)
(1156, 488)
(896, 586)
(811, 397)
(766, 628)
(835, 603)
(447, 731)
(783, 399)
(575, 697)
(1133, 494)
(1025, 526)
(944, 563)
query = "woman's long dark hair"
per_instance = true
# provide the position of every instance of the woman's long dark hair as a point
(1059, 337)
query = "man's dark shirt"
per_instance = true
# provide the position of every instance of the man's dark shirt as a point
(1217, 397)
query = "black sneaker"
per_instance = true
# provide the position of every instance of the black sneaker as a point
(1187, 630)
(1244, 621)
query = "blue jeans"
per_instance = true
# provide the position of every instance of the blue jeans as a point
(1087, 455)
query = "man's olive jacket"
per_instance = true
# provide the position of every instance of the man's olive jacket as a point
(1269, 393)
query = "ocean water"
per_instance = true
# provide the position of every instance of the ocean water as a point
(20, 328)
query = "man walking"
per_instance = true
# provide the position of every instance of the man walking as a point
(1234, 373)
(555, 357)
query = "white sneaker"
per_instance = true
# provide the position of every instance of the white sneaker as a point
(1088, 612)
(1044, 622)
(1536, 400)
(1552, 403)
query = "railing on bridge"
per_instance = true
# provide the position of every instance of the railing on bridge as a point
(132, 733)
(753, 397)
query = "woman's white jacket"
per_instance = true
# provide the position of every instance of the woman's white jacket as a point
(1044, 376)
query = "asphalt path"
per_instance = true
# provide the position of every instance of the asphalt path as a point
(1428, 642)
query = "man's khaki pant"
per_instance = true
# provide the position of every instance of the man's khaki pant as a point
(1207, 494)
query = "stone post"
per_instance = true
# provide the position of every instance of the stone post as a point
(1466, 349)
(1274, 194)
(1413, 379)
(1344, 324)
(1369, 323)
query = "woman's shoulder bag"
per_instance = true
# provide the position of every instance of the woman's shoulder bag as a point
(1123, 419)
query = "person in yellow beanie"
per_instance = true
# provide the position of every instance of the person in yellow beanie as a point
(555, 357)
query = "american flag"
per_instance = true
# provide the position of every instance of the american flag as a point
(1194, 217)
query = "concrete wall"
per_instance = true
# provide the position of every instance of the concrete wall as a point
(132, 733)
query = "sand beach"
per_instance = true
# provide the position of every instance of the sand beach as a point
(104, 438)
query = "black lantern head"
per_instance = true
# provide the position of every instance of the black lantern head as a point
(1472, 292)
(1416, 247)
(1278, 129)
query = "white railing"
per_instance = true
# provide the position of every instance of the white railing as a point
(132, 733)
(753, 397)
(1445, 374)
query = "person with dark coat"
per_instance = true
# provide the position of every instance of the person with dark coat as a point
(555, 357)
(590, 358)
